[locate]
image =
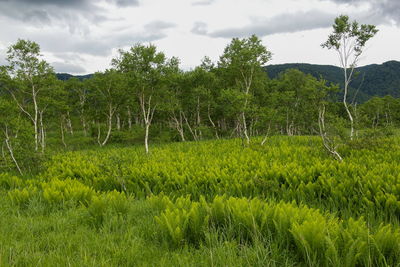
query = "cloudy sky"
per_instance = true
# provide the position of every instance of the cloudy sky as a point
(82, 36)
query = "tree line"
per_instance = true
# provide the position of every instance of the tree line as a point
(147, 95)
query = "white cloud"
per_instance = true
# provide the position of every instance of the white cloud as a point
(283, 23)
(203, 2)
(63, 67)
(83, 35)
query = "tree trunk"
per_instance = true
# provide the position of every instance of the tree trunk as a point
(178, 125)
(266, 135)
(195, 137)
(10, 150)
(347, 107)
(110, 114)
(69, 123)
(212, 122)
(118, 122)
(148, 113)
(246, 135)
(198, 122)
(84, 126)
(129, 118)
(42, 132)
(247, 84)
(62, 131)
(35, 120)
(98, 133)
(82, 101)
(328, 143)
(146, 138)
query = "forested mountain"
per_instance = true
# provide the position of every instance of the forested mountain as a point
(66, 76)
(371, 80)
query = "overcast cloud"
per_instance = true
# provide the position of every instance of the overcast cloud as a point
(203, 2)
(82, 36)
(387, 10)
(283, 23)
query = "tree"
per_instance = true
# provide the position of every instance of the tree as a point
(242, 63)
(77, 100)
(148, 71)
(32, 77)
(15, 136)
(10, 125)
(108, 93)
(349, 39)
(380, 111)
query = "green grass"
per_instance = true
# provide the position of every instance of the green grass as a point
(71, 214)
(35, 236)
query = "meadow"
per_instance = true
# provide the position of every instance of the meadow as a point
(208, 203)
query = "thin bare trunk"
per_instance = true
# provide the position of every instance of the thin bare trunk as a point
(62, 131)
(148, 113)
(118, 122)
(146, 138)
(212, 122)
(348, 110)
(3, 154)
(194, 134)
(237, 129)
(42, 132)
(178, 125)
(247, 86)
(110, 114)
(11, 151)
(266, 135)
(328, 143)
(198, 111)
(129, 118)
(98, 133)
(69, 123)
(246, 135)
(35, 115)
(345, 51)
(84, 126)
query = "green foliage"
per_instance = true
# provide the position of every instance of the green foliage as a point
(107, 205)
(343, 29)
(72, 191)
(9, 182)
(184, 221)
(320, 240)
(287, 198)
(288, 168)
(22, 197)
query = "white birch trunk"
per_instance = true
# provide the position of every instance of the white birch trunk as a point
(11, 151)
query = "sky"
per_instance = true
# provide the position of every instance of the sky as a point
(82, 36)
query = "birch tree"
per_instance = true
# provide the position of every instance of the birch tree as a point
(78, 100)
(147, 70)
(32, 75)
(242, 62)
(348, 40)
(109, 92)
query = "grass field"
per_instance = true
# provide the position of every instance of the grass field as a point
(211, 203)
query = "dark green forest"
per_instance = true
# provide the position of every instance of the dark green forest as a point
(370, 80)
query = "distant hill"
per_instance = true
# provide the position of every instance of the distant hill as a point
(66, 76)
(371, 80)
